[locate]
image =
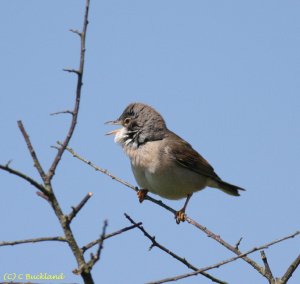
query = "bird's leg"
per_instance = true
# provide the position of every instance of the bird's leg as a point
(180, 215)
(141, 193)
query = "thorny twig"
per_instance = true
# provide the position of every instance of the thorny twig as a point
(234, 249)
(168, 251)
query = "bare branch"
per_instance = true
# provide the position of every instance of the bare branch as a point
(43, 195)
(35, 240)
(62, 112)
(75, 111)
(181, 259)
(31, 150)
(267, 266)
(77, 72)
(106, 172)
(76, 32)
(225, 244)
(93, 243)
(96, 257)
(291, 270)
(242, 255)
(24, 177)
(102, 238)
(76, 209)
(47, 189)
(238, 243)
(8, 163)
(209, 233)
(83, 268)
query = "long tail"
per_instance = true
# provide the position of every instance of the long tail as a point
(229, 188)
(226, 187)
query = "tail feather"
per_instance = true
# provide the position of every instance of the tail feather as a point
(226, 187)
(229, 188)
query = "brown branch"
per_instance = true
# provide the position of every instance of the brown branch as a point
(35, 240)
(97, 241)
(37, 185)
(75, 111)
(62, 112)
(102, 238)
(225, 244)
(85, 270)
(99, 169)
(217, 265)
(42, 195)
(96, 257)
(72, 71)
(76, 209)
(238, 243)
(76, 32)
(31, 150)
(267, 266)
(291, 270)
(46, 188)
(106, 172)
(209, 233)
(181, 259)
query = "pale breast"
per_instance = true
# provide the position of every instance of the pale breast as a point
(146, 157)
(175, 182)
(154, 169)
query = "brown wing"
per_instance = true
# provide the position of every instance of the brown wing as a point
(187, 157)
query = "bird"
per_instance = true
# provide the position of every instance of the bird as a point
(162, 162)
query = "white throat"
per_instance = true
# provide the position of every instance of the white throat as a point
(121, 136)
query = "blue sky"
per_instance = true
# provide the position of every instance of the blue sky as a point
(225, 76)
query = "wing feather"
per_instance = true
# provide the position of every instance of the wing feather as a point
(187, 157)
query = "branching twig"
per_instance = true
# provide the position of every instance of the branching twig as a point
(83, 268)
(47, 188)
(62, 112)
(37, 185)
(204, 229)
(181, 259)
(225, 261)
(93, 243)
(32, 151)
(127, 184)
(35, 240)
(96, 257)
(77, 72)
(226, 244)
(102, 238)
(76, 32)
(76, 209)
(42, 195)
(75, 111)
(104, 171)
(238, 243)
(267, 266)
(291, 270)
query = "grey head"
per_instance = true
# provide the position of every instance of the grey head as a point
(141, 123)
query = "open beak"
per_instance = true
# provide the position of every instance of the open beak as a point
(113, 122)
(114, 132)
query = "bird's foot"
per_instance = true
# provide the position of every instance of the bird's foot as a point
(180, 216)
(141, 193)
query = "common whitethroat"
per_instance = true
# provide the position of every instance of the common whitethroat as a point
(162, 162)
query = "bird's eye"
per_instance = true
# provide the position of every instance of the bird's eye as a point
(126, 121)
